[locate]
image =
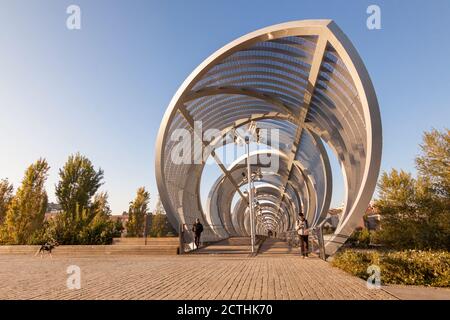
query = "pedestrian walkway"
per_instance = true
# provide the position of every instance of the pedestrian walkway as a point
(276, 247)
(230, 246)
(180, 277)
(418, 292)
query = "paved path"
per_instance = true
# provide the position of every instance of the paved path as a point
(418, 292)
(233, 246)
(276, 247)
(180, 277)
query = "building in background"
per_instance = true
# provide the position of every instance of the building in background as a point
(370, 220)
(53, 209)
(372, 217)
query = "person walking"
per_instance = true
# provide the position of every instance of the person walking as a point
(302, 230)
(197, 229)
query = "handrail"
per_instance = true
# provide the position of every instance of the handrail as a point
(292, 239)
(181, 238)
(319, 233)
(183, 234)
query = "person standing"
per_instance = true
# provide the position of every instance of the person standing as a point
(302, 230)
(197, 229)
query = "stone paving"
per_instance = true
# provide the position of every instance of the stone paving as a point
(180, 277)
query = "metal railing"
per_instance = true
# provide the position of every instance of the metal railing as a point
(186, 238)
(320, 242)
(316, 241)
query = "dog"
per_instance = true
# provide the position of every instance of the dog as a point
(47, 247)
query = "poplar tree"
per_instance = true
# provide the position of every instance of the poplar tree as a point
(100, 206)
(76, 193)
(26, 212)
(78, 183)
(6, 195)
(136, 213)
(161, 226)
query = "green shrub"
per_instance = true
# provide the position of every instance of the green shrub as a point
(409, 267)
(429, 268)
(98, 231)
(360, 238)
(355, 262)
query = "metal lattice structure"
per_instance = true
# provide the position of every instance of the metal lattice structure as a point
(303, 78)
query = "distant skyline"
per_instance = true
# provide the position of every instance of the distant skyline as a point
(102, 90)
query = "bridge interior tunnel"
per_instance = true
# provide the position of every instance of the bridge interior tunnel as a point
(276, 206)
(304, 86)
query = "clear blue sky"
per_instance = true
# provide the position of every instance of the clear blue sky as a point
(102, 90)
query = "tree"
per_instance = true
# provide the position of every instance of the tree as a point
(26, 212)
(78, 183)
(396, 204)
(85, 213)
(136, 213)
(416, 212)
(100, 205)
(158, 228)
(6, 196)
(118, 228)
(161, 226)
(434, 162)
